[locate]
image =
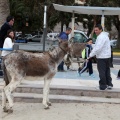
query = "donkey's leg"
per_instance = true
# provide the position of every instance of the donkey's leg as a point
(78, 59)
(9, 89)
(4, 99)
(46, 102)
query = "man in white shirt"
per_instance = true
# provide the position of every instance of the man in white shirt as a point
(102, 50)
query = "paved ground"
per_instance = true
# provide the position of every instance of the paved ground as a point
(71, 78)
(70, 111)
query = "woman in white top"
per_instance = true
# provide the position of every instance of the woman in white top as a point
(8, 43)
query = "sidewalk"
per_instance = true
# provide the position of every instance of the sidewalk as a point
(71, 78)
(69, 111)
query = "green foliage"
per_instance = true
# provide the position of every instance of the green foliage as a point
(32, 12)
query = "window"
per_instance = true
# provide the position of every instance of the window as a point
(79, 37)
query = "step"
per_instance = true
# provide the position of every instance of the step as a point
(70, 90)
(37, 98)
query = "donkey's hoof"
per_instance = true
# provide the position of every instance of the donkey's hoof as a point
(5, 109)
(49, 104)
(10, 110)
(46, 108)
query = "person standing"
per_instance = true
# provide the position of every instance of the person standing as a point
(8, 43)
(88, 63)
(63, 37)
(102, 50)
(7, 47)
(5, 27)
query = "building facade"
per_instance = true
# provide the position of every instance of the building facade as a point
(4, 10)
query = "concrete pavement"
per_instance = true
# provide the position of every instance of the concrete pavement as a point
(68, 79)
(71, 78)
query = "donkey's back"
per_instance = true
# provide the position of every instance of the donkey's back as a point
(29, 64)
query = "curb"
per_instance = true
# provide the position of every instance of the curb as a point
(116, 53)
(37, 98)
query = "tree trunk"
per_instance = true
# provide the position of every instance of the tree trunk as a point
(4, 10)
(91, 36)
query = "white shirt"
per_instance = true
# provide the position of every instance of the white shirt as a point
(102, 48)
(8, 44)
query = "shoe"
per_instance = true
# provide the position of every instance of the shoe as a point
(98, 88)
(109, 87)
(79, 74)
(104, 88)
(92, 76)
(118, 78)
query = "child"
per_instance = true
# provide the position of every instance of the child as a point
(88, 63)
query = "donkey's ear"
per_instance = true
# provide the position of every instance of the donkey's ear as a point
(59, 40)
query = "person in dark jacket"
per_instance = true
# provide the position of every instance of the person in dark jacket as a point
(88, 63)
(63, 37)
(5, 27)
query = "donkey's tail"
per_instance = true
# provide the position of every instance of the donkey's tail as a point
(5, 76)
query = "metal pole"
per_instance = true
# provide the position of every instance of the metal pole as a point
(103, 20)
(73, 22)
(44, 26)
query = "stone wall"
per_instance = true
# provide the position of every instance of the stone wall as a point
(4, 10)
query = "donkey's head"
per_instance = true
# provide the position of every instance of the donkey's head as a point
(76, 49)
(64, 46)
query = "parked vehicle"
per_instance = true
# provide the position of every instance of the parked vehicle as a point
(113, 43)
(79, 36)
(36, 38)
(52, 36)
(28, 37)
(21, 40)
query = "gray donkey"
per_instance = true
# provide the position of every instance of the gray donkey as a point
(19, 65)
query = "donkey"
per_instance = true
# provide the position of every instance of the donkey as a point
(19, 65)
(75, 51)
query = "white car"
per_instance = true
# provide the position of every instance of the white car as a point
(79, 36)
(28, 36)
(113, 43)
(52, 36)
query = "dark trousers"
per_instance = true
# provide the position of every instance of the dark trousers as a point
(87, 65)
(1, 72)
(103, 66)
(118, 75)
(61, 66)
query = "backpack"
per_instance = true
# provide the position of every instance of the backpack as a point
(83, 53)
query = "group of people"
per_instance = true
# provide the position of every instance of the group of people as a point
(7, 36)
(101, 50)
